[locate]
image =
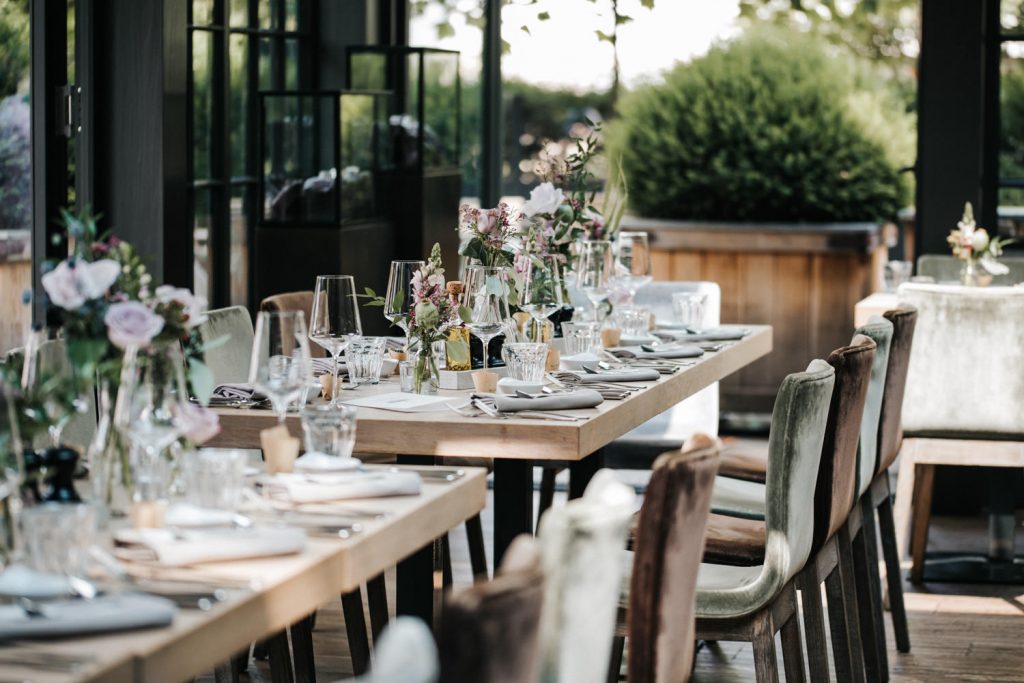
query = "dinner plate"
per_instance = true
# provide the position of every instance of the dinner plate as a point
(321, 462)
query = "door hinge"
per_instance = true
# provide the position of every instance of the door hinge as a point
(70, 119)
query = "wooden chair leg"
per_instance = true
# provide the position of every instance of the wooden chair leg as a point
(477, 551)
(792, 645)
(355, 628)
(924, 483)
(302, 650)
(615, 665)
(850, 610)
(280, 658)
(766, 665)
(814, 628)
(893, 575)
(377, 597)
(837, 627)
(875, 666)
(547, 491)
(875, 581)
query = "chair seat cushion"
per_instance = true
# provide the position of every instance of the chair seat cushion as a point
(748, 462)
(738, 498)
(734, 541)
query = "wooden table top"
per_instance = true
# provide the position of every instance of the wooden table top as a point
(874, 304)
(286, 589)
(444, 433)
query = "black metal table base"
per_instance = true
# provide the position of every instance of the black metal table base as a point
(960, 568)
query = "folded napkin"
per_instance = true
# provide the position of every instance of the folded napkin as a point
(636, 375)
(21, 582)
(713, 335)
(673, 351)
(180, 547)
(309, 488)
(325, 366)
(572, 400)
(107, 613)
(237, 392)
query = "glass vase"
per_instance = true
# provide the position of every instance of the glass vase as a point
(108, 454)
(425, 376)
(973, 275)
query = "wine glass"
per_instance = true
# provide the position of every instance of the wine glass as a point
(398, 300)
(486, 298)
(540, 294)
(632, 261)
(335, 318)
(47, 375)
(280, 365)
(594, 270)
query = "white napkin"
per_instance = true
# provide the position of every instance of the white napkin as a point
(306, 488)
(107, 613)
(177, 548)
(189, 515)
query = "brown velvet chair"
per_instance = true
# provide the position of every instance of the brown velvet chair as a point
(294, 301)
(739, 541)
(669, 541)
(490, 632)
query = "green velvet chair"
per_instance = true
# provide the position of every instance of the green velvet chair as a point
(228, 362)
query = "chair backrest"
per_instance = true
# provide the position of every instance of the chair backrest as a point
(945, 269)
(294, 301)
(582, 544)
(890, 430)
(667, 553)
(405, 653)
(489, 632)
(229, 362)
(794, 453)
(965, 377)
(880, 331)
(837, 473)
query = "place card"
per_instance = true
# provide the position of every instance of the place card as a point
(402, 402)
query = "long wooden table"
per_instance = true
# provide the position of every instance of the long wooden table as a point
(514, 444)
(286, 589)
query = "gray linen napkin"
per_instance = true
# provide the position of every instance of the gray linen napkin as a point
(237, 392)
(107, 613)
(716, 334)
(637, 375)
(674, 351)
(584, 398)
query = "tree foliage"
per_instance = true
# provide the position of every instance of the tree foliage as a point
(14, 45)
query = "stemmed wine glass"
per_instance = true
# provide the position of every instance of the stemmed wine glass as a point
(594, 269)
(486, 297)
(398, 300)
(280, 365)
(541, 292)
(335, 318)
(47, 371)
(632, 261)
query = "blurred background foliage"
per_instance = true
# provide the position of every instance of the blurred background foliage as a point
(15, 117)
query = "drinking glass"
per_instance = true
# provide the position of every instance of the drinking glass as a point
(280, 365)
(364, 359)
(398, 299)
(541, 292)
(896, 273)
(330, 430)
(335, 317)
(58, 537)
(486, 297)
(632, 261)
(594, 269)
(689, 309)
(407, 376)
(215, 478)
(580, 337)
(525, 360)
(635, 321)
(150, 399)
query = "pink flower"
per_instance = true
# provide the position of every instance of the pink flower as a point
(197, 424)
(130, 323)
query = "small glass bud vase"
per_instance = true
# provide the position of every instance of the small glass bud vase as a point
(425, 374)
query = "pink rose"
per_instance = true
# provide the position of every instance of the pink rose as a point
(197, 424)
(131, 323)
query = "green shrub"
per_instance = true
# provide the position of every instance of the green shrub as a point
(772, 126)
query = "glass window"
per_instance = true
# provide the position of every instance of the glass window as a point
(201, 242)
(240, 214)
(238, 112)
(202, 12)
(202, 102)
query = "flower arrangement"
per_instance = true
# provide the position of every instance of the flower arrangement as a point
(490, 235)
(974, 247)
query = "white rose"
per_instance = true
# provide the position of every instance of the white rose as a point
(69, 286)
(194, 306)
(544, 199)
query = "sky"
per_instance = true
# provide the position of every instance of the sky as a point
(564, 51)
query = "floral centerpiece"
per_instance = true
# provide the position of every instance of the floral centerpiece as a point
(435, 311)
(978, 252)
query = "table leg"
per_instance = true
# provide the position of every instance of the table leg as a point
(582, 471)
(414, 580)
(513, 503)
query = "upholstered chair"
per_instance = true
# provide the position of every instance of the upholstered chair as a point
(405, 653)
(229, 362)
(660, 623)
(831, 557)
(963, 406)
(946, 269)
(294, 301)
(582, 543)
(489, 632)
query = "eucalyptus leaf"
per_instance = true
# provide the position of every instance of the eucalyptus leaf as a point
(200, 379)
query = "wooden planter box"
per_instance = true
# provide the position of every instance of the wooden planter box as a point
(803, 279)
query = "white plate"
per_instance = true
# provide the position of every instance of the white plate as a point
(579, 360)
(507, 385)
(189, 516)
(321, 462)
(637, 341)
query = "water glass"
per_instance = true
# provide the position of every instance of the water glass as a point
(407, 376)
(689, 309)
(329, 429)
(364, 359)
(215, 478)
(896, 273)
(635, 321)
(57, 537)
(525, 360)
(581, 337)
